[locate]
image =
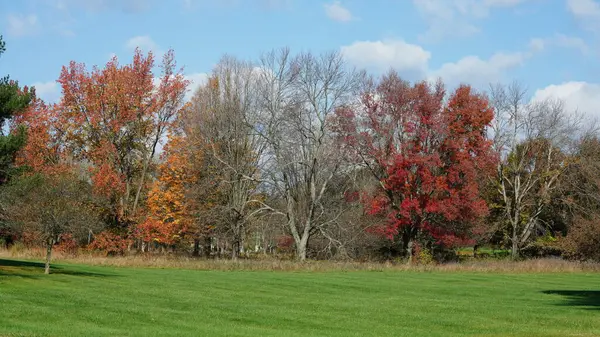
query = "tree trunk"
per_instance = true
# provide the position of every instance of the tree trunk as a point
(49, 245)
(409, 250)
(301, 252)
(208, 246)
(235, 249)
(301, 248)
(515, 244)
(196, 251)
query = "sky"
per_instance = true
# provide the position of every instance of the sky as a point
(550, 46)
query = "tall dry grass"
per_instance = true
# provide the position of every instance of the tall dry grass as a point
(272, 264)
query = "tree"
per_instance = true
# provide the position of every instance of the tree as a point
(169, 206)
(298, 96)
(50, 205)
(532, 138)
(13, 100)
(427, 155)
(110, 121)
(580, 195)
(223, 118)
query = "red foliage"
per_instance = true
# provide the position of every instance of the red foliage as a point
(67, 244)
(110, 119)
(31, 239)
(110, 243)
(285, 243)
(44, 150)
(428, 155)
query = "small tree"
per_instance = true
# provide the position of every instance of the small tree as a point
(50, 205)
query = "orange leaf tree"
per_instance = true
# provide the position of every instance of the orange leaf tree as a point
(110, 120)
(170, 210)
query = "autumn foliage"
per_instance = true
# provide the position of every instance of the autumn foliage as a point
(170, 209)
(291, 155)
(109, 119)
(428, 156)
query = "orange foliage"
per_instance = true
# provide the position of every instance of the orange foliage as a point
(110, 243)
(44, 151)
(109, 118)
(171, 211)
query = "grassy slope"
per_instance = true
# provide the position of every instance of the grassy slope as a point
(82, 300)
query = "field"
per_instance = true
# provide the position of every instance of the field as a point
(87, 300)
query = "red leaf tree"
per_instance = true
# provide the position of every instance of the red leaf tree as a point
(109, 120)
(428, 153)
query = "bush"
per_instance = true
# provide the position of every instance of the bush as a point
(583, 240)
(422, 255)
(67, 245)
(545, 246)
(110, 243)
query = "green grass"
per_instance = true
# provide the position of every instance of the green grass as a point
(80, 300)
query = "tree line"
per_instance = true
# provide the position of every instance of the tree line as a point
(293, 154)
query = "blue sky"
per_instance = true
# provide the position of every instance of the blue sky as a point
(552, 46)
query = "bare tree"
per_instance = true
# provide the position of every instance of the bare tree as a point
(50, 206)
(223, 115)
(532, 138)
(298, 96)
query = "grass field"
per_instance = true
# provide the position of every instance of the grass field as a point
(81, 300)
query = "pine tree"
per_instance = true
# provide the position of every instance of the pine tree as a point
(12, 100)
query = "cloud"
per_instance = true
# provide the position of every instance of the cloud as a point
(559, 40)
(196, 79)
(478, 72)
(50, 91)
(454, 17)
(412, 62)
(22, 25)
(587, 12)
(380, 55)
(583, 97)
(336, 12)
(143, 42)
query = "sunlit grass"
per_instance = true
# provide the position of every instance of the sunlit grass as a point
(83, 300)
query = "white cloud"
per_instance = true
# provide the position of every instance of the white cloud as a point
(381, 55)
(479, 72)
(335, 11)
(559, 40)
(143, 42)
(455, 17)
(587, 12)
(22, 25)
(50, 91)
(412, 62)
(582, 97)
(196, 79)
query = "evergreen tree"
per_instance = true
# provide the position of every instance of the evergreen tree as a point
(12, 100)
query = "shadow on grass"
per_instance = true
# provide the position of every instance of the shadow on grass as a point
(579, 298)
(29, 269)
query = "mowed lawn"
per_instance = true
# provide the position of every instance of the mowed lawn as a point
(83, 300)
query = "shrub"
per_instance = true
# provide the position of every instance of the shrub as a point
(110, 243)
(67, 245)
(545, 246)
(583, 240)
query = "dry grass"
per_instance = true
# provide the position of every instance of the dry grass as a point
(272, 264)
